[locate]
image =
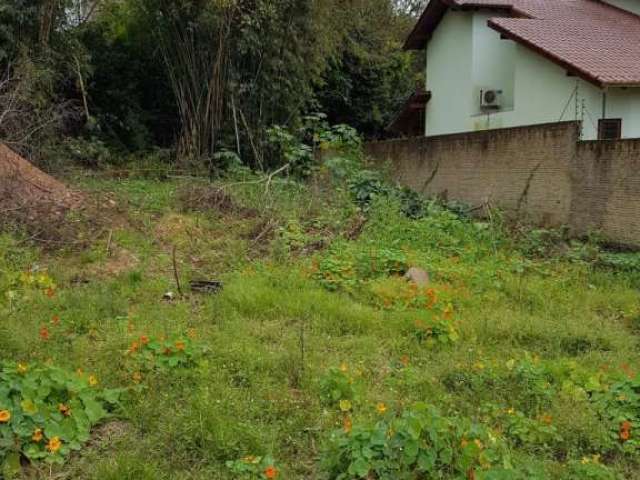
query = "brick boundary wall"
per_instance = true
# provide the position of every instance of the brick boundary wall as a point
(542, 174)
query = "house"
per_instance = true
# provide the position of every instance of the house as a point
(506, 63)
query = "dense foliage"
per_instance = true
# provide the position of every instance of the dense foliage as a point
(202, 76)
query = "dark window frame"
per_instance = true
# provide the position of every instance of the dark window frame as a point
(610, 129)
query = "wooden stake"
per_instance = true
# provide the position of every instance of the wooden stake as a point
(175, 270)
(109, 243)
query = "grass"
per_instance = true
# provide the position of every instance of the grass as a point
(542, 338)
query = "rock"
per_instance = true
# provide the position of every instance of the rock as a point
(418, 276)
(169, 296)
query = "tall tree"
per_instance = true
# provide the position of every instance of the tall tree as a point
(370, 75)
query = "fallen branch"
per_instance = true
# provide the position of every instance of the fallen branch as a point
(270, 177)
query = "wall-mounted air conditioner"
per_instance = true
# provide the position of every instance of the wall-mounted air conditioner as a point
(490, 99)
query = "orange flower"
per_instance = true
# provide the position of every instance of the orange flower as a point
(135, 346)
(93, 380)
(628, 371)
(347, 424)
(54, 444)
(55, 320)
(344, 368)
(167, 351)
(432, 298)
(625, 431)
(44, 333)
(404, 360)
(22, 368)
(5, 416)
(137, 377)
(180, 346)
(37, 435)
(381, 408)
(144, 340)
(50, 292)
(271, 472)
(64, 409)
(546, 419)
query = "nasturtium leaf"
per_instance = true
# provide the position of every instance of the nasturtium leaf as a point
(29, 407)
(94, 410)
(426, 460)
(360, 468)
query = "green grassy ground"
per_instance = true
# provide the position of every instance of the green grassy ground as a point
(529, 360)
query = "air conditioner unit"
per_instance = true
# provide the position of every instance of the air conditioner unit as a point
(490, 99)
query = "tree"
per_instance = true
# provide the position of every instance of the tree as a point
(370, 76)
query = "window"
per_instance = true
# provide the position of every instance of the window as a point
(610, 129)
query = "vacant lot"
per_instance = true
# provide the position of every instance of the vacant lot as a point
(317, 359)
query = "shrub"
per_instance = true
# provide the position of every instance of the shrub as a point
(619, 404)
(338, 386)
(20, 286)
(436, 331)
(345, 267)
(420, 443)
(46, 412)
(162, 354)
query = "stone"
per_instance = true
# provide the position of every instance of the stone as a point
(418, 276)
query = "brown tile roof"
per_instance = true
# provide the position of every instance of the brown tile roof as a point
(594, 40)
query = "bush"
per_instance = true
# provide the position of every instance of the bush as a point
(420, 443)
(47, 412)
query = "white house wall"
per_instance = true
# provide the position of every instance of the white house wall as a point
(625, 103)
(545, 93)
(465, 55)
(493, 62)
(629, 5)
(449, 69)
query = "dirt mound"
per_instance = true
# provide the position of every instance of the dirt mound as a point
(34, 202)
(24, 186)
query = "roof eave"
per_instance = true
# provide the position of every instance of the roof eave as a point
(429, 20)
(574, 70)
(435, 11)
(621, 84)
